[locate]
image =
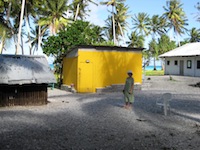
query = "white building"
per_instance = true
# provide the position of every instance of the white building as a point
(184, 60)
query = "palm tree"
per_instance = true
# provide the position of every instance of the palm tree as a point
(98, 33)
(176, 16)
(194, 35)
(113, 4)
(120, 18)
(14, 11)
(30, 11)
(20, 27)
(12, 16)
(141, 23)
(5, 34)
(136, 40)
(6, 29)
(157, 27)
(165, 44)
(36, 39)
(53, 15)
(79, 8)
(153, 47)
(108, 28)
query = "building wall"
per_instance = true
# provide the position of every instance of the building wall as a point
(172, 69)
(103, 68)
(27, 94)
(70, 71)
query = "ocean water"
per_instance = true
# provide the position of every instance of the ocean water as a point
(51, 66)
(152, 67)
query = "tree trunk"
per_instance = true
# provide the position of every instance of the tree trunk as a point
(20, 27)
(177, 35)
(8, 12)
(77, 10)
(3, 39)
(113, 20)
(22, 46)
(120, 27)
(39, 37)
(29, 32)
(154, 63)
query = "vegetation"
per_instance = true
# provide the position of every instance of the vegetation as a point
(79, 8)
(58, 25)
(165, 44)
(194, 35)
(136, 40)
(116, 24)
(52, 16)
(175, 14)
(79, 33)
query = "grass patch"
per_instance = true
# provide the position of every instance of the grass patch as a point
(154, 72)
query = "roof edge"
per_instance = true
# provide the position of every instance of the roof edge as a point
(118, 48)
(29, 56)
(108, 47)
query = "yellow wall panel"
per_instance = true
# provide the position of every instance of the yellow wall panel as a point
(70, 71)
(110, 67)
(91, 68)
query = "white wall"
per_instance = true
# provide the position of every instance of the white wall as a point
(173, 69)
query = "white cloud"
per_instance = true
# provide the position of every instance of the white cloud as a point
(97, 14)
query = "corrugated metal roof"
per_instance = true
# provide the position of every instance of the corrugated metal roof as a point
(189, 49)
(24, 69)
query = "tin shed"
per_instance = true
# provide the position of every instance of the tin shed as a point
(89, 68)
(24, 80)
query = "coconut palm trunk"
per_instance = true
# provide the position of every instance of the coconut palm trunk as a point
(39, 37)
(154, 63)
(113, 21)
(77, 10)
(122, 33)
(20, 27)
(29, 32)
(3, 39)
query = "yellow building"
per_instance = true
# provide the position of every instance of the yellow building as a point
(92, 67)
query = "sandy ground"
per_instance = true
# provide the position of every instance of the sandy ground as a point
(98, 121)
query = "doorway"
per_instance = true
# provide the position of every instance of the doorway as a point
(85, 78)
(181, 67)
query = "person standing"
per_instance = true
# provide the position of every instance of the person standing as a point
(128, 90)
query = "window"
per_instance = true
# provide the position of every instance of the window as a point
(189, 64)
(168, 62)
(175, 62)
(198, 64)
